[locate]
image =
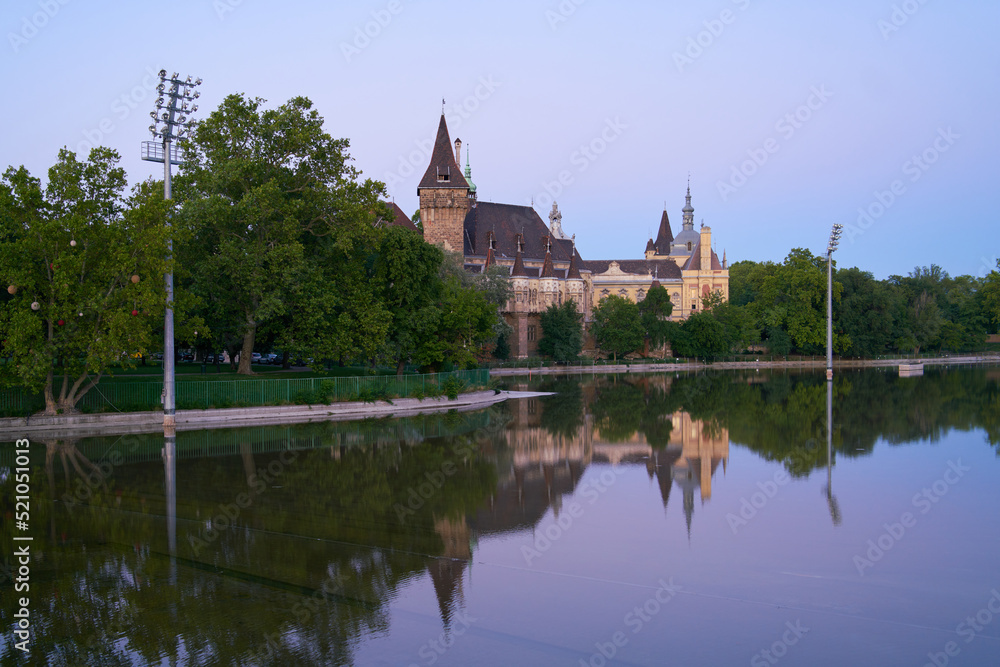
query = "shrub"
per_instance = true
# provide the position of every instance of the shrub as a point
(452, 387)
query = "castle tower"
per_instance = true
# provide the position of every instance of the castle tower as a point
(444, 196)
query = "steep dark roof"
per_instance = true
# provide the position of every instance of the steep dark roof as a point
(650, 246)
(400, 219)
(664, 237)
(574, 266)
(694, 264)
(506, 221)
(666, 269)
(547, 269)
(518, 268)
(443, 162)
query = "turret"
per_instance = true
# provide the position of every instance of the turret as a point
(444, 195)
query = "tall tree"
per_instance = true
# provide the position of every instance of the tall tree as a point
(85, 267)
(702, 335)
(654, 313)
(562, 331)
(617, 326)
(991, 297)
(406, 271)
(273, 205)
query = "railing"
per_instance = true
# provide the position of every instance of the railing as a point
(205, 394)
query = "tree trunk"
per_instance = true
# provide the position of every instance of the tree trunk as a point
(231, 350)
(50, 399)
(285, 363)
(400, 366)
(247, 352)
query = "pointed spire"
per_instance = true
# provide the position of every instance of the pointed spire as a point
(443, 171)
(574, 266)
(548, 270)
(490, 259)
(665, 236)
(688, 209)
(656, 277)
(518, 270)
(468, 173)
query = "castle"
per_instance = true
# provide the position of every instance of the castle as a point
(545, 267)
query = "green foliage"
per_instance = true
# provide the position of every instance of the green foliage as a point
(617, 326)
(277, 230)
(991, 297)
(654, 312)
(73, 248)
(439, 317)
(452, 387)
(702, 335)
(562, 332)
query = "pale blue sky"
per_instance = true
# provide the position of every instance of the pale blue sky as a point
(528, 84)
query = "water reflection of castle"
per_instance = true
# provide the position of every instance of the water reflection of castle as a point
(542, 467)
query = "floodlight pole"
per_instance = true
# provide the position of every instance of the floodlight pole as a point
(171, 108)
(830, 248)
(169, 396)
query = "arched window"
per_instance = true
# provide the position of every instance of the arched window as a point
(689, 246)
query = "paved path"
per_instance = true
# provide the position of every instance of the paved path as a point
(724, 365)
(81, 425)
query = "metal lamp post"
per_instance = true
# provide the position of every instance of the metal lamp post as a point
(170, 121)
(834, 240)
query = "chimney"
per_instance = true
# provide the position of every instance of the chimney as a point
(458, 151)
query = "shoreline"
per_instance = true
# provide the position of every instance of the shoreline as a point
(125, 423)
(985, 359)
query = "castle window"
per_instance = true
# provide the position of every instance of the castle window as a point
(531, 332)
(689, 243)
(444, 177)
(623, 293)
(640, 295)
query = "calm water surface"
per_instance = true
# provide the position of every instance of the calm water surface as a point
(650, 520)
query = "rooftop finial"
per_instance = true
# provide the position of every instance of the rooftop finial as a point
(688, 209)
(442, 106)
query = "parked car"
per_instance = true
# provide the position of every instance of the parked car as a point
(255, 358)
(271, 358)
(187, 356)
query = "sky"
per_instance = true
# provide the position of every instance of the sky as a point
(787, 116)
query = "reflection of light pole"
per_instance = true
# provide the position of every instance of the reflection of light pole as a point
(834, 240)
(830, 498)
(171, 110)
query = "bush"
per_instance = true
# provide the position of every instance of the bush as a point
(452, 387)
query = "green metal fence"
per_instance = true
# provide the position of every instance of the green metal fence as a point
(204, 394)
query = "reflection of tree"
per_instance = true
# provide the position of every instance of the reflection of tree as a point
(784, 418)
(617, 409)
(311, 562)
(563, 413)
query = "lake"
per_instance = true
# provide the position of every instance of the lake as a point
(661, 519)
